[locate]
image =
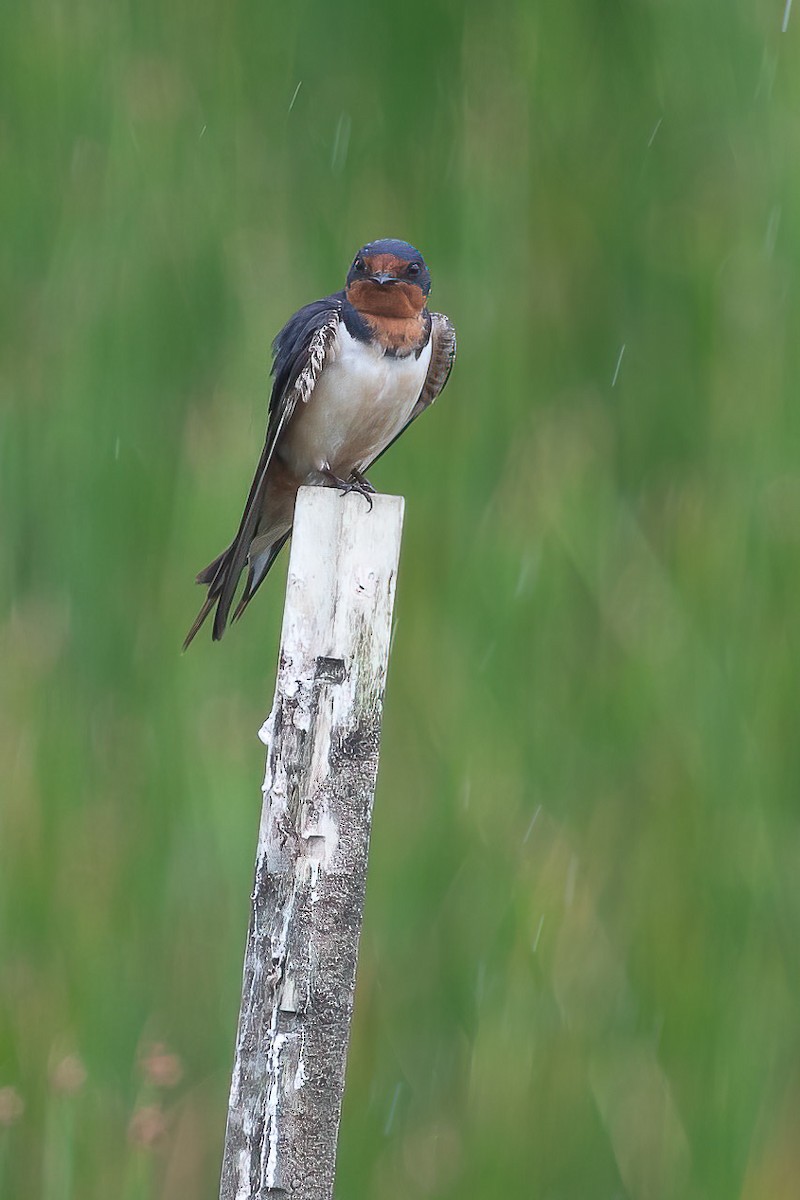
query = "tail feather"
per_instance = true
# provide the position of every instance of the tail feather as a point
(257, 573)
(207, 606)
(216, 575)
(208, 573)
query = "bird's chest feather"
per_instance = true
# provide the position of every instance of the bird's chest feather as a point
(361, 401)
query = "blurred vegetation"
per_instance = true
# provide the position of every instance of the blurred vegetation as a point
(579, 974)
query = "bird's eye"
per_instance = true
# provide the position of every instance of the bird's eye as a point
(360, 265)
(413, 269)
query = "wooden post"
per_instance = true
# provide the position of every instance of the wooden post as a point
(307, 904)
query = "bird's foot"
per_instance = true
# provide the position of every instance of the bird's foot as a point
(363, 483)
(356, 483)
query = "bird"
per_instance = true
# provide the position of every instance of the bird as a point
(350, 373)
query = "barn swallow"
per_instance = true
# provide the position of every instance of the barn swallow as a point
(350, 374)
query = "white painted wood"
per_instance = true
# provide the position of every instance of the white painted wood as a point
(307, 904)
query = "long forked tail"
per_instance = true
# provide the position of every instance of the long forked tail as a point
(215, 577)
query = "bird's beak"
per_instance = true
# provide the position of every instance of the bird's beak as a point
(384, 277)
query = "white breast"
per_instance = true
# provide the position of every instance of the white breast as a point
(361, 401)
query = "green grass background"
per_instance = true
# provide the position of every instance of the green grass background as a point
(579, 972)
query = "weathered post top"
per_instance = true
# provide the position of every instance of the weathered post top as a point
(308, 895)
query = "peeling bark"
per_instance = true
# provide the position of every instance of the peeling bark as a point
(311, 864)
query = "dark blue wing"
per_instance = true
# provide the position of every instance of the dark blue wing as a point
(290, 347)
(299, 351)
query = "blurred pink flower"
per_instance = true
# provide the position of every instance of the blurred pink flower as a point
(147, 1126)
(68, 1075)
(160, 1066)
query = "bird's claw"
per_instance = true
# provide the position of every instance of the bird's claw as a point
(356, 483)
(363, 481)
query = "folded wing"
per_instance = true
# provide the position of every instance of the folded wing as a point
(301, 350)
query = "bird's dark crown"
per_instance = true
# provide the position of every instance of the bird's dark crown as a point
(388, 261)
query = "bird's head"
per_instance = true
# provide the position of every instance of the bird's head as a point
(388, 278)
